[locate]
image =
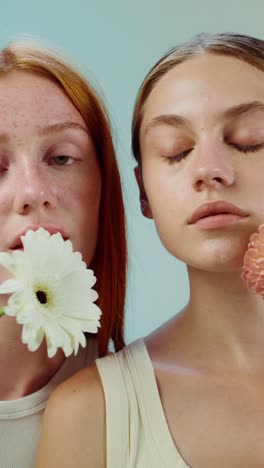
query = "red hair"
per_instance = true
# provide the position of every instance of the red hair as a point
(110, 259)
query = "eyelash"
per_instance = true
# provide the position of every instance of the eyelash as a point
(242, 148)
(54, 158)
(177, 157)
(247, 148)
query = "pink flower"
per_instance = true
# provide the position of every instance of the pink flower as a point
(253, 269)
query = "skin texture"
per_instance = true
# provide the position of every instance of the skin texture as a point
(208, 359)
(83, 424)
(211, 377)
(49, 176)
(213, 165)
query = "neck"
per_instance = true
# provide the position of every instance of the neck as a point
(224, 321)
(23, 372)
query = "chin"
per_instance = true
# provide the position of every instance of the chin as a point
(214, 256)
(220, 262)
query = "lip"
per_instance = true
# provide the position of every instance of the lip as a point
(51, 228)
(216, 214)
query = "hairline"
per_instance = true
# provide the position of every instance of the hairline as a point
(175, 57)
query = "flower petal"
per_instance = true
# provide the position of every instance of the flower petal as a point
(7, 261)
(48, 263)
(10, 286)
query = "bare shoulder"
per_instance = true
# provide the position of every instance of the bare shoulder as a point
(80, 389)
(75, 413)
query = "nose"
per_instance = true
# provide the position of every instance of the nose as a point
(33, 190)
(213, 167)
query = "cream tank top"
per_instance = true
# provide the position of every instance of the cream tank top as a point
(21, 419)
(137, 432)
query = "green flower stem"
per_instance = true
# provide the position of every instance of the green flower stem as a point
(2, 311)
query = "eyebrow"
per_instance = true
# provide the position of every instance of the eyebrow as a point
(175, 120)
(168, 119)
(54, 128)
(60, 126)
(244, 109)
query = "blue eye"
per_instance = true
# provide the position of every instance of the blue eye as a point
(62, 160)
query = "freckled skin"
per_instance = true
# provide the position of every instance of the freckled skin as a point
(35, 188)
(49, 175)
(200, 90)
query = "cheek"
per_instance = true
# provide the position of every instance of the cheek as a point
(169, 196)
(87, 196)
(83, 193)
(84, 199)
(167, 206)
(5, 201)
(166, 194)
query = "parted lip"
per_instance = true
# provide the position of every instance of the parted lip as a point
(214, 208)
(51, 228)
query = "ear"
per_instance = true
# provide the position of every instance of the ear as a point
(144, 204)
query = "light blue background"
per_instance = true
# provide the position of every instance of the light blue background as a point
(115, 42)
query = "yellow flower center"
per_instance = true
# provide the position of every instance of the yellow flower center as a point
(43, 295)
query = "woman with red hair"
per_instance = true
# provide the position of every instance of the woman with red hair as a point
(58, 170)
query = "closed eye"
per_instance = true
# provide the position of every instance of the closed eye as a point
(247, 148)
(177, 157)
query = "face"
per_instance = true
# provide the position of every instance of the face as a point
(49, 175)
(202, 146)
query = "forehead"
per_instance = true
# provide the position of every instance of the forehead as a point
(29, 96)
(208, 81)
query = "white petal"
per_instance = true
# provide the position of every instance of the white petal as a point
(7, 261)
(10, 286)
(49, 260)
(32, 337)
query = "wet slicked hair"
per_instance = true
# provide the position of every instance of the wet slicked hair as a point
(245, 48)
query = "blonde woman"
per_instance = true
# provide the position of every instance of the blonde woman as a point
(191, 393)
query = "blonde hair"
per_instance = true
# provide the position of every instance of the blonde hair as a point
(242, 47)
(110, 258)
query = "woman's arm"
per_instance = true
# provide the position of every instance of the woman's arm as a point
(73, 433)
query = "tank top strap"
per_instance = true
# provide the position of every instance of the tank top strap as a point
(121, 410)
(137, 431)
(150, 407)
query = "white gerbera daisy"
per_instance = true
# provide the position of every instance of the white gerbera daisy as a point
(52, 293)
